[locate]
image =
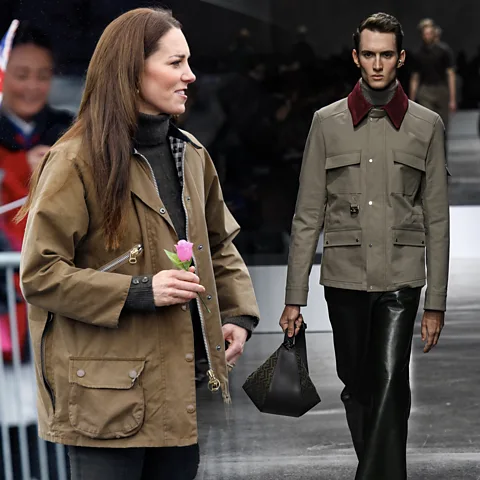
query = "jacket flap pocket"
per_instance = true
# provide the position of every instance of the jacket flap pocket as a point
(410, 160)
(343, 160)
(415, 238)
(342, 238)
(116, 374)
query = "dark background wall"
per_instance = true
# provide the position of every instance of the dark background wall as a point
(211, 25)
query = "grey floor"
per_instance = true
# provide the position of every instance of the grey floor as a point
(444, 441)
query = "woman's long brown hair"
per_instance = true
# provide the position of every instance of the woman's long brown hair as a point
(108, 112)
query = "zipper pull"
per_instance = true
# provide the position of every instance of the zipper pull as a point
(134, 252)
(213, 382)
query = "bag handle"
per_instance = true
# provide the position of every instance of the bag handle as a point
(299, 343)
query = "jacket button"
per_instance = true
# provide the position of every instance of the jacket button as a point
(326, 243)
(209, 297)
(370, 202)
(370, 245)
(135, 281)
(188, 199)
(184, 307)
(133, 374)
(357, 240)
(190, 408)
(162, 211)
(218, 347)
(200, 247)
(144, 279)
(80, 373)
(371, 160)
(189, 357)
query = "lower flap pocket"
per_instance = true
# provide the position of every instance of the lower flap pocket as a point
(106, 397)
(414, 238)
(339, 238)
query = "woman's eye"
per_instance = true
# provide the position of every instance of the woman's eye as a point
(177, 63)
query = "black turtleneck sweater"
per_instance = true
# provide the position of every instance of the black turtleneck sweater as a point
(151, 141)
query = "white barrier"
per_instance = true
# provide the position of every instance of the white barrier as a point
(17, 399)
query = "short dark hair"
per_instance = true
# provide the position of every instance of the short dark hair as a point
(28, 34)
(383, 23)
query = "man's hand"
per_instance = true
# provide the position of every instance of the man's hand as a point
(291, 319)
(432, 325)
(452, 105)
(236, 337)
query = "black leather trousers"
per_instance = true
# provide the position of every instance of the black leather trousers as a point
(372, 335)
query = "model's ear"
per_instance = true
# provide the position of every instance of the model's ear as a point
(401, 59)
(355, 58)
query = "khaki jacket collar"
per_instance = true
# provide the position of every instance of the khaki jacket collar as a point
(396, 108)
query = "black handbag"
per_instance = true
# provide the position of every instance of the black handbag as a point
(282, 385)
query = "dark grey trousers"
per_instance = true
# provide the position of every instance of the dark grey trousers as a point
(167, 463)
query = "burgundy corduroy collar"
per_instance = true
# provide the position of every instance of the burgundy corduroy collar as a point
(396, 108)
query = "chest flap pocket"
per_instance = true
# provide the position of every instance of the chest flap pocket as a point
(344, 173)
(407, 172)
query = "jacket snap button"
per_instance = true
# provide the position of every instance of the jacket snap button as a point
(184, 307)
(135, 281)
(190, 408)
(209, 297)
(188, 199)
(133, 374)
(80, 373)
(200, 247)
(162, 210)
(189, 357)
(370, 245)
(218, 347)
(144, 279)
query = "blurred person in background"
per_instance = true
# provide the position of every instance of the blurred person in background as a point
(433, 81)
(116, 329)
(28, 125)
(374, 180)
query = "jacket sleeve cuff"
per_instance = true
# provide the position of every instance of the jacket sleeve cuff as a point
(296, 296)
(140, 295)
(435, 301)
(245, 321)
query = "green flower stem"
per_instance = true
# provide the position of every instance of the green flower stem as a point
(204, 304)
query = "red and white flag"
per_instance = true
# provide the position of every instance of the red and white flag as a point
(5, 47)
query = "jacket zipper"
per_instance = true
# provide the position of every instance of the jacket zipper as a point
(42, 358)
(130, 256)
(213, 382)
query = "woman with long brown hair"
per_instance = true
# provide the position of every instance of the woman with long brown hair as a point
(120, 336)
